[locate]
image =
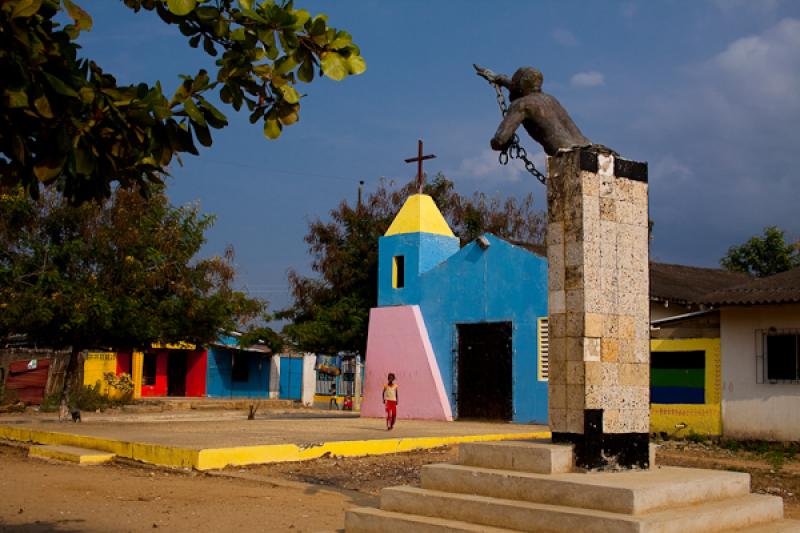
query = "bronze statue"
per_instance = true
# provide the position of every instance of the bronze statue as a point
(541, 114)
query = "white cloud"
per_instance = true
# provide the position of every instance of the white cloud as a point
(748, 93)
(723, 143)
(763, 71)
(588, 79)
(565, 37)
(485, 167)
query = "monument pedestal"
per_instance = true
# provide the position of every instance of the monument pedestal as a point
(527, 486)
(598, 307)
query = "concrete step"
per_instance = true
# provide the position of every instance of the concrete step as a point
(633, 492)
(369, 520)
(781, 526)
(521, 456)
(526, 516)
(72, 454)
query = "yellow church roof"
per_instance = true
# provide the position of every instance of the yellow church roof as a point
(419, 215)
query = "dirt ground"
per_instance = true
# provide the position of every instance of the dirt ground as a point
(46, 497)
(309, 496)
(363, 474)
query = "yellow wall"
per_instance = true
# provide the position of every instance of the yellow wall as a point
(95, 366)
(704, 419)
(136, 373)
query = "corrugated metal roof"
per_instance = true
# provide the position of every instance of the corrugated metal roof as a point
(777, 289)
(689, 284)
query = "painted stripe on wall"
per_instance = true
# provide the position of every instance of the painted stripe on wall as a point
(683, 395)
(671, 377)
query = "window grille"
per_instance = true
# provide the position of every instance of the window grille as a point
(543, 336)
(777, 356)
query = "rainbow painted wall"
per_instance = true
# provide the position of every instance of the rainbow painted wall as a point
(685, 386)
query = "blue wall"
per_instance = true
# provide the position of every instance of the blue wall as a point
(502, 283)
(422, 252)
(220, 384)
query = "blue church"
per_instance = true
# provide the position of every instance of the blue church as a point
(463, 328)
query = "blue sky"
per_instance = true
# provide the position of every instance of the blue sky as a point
(708, 92)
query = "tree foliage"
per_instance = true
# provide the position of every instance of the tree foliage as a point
(330, 311)
(763, 255)
(65, 121)
(121, 274)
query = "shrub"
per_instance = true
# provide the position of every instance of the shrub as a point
(697, 438)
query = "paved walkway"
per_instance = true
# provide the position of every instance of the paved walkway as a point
(220, 430)
(214, 440)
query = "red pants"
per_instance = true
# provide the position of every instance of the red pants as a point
(391, 412)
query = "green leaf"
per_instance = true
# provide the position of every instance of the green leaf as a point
(59, 86)
(208, 46)
(81, 18)
(356, 64)
(84, 162)
(202, 134)
(17, 99)
(238, 34)
(181, 7)
(246, 4)
(86, 94)
(334, 66)
(342, 39)
(289, 94)
(26, 8)
(301, 17)
(193, 112)
(45, 173)
(272, 127)
(207, 13)
(306, 71)
(288, 114)
(42, 105)
(284, 65)
(218, 119)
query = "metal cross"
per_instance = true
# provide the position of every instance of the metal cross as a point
(418, 160)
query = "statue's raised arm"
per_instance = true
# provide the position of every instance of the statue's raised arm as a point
(542, 116)
(498, 79)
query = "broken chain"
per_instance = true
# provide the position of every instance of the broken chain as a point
(514, 150)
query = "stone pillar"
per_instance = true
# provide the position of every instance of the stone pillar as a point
(598, 277)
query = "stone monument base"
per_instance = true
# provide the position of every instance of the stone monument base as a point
(533, 486)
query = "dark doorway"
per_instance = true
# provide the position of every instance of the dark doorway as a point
(176, 374)
(485, 371)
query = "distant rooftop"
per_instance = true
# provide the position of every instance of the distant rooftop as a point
(684, 284)
(777, 289)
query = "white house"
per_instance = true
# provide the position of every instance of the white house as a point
(760, 350)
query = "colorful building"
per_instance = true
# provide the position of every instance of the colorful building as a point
(458, 326)
(236, 372)
(685, 375)
(222, 370)
(338, 377)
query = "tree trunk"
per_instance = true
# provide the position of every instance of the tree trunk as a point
(70, 374)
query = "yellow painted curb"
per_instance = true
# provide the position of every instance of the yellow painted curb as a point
(155, 454)
(54, 452)
(214, 458)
